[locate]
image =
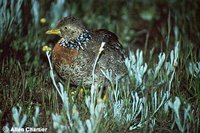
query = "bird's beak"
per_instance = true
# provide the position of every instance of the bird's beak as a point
(54, 31)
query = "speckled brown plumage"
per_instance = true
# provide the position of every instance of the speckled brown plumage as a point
(76, 63)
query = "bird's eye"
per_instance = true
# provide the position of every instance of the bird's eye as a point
(65, 27)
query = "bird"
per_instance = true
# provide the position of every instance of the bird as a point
(73, 56)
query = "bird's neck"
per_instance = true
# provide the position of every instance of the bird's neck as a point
(79, 42)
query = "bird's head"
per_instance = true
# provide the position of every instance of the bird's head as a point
(68, 28)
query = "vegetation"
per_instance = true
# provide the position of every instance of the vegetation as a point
(160, 94)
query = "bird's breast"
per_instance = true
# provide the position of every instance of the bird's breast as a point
(64, 55)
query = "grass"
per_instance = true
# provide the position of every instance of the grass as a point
(160, 94)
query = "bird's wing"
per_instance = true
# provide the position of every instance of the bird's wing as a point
(110, 39)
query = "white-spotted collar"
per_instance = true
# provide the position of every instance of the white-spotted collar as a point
(78, 43)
